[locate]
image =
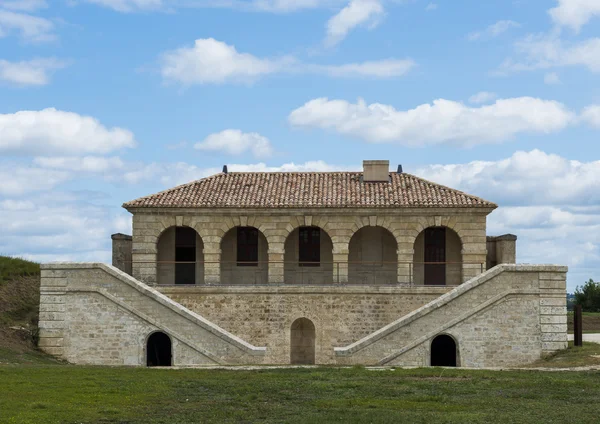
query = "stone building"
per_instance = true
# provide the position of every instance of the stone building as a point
(371, 267)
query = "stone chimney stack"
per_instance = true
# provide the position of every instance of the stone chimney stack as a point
(376, 171)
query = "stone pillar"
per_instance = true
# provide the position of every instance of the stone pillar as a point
(212, 263)
(340, 263)
(501, 250)
(276, 265)
(553, 309)
(122, 246)
(406, 254)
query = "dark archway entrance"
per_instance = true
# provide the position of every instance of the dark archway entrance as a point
(158, 350)
(303, 342)
(443, 351)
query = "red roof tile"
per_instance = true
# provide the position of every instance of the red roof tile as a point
(308, 189)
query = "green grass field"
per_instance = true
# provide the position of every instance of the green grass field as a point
(68, 394)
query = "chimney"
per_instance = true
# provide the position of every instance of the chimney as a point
(376, 171)
(224, 169)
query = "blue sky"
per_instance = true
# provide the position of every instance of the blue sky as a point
(103, 101)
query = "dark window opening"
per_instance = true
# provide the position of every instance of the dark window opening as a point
(185, 255)
(443, 351)
(435, 251)
(158, 350)
(247, 246)
(309, 248)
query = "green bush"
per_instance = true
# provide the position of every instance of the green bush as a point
(588, 296)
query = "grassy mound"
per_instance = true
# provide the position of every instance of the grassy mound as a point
(19, 304)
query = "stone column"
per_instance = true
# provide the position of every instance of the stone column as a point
(405, 263)
(276, 265)
(340, 263)
(212, 263)
(506, 249)
(122, 246)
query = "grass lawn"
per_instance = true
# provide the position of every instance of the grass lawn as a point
(70, 394)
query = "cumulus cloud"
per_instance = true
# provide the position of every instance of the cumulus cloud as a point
(575, 13)
(236, 142)
(443, 122)
(357, 12)
(591, 115)
(494, 30)
(482, 97)
(211, 61)
(55, 132)
(543, 51)
(30, 28)
(30, 72)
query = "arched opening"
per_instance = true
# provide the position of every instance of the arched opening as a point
(443, 351)
(302, 344)
(180, 256)
(373, 257)
(437, 257)
(244, 256)
(308, 256)
(158, 350)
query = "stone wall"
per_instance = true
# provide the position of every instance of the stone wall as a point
(96, 314)
(508, 316)
(278, 224)
(511, 315)
(263, 315)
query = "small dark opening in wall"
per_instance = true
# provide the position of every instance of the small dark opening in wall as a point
(443, 351)
(158, 351)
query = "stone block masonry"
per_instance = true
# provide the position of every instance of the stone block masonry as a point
(510, 315)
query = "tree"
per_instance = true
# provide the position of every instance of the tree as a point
(588, 296)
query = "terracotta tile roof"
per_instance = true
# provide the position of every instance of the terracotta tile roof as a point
(308, 189)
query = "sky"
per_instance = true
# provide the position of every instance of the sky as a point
(104, 101)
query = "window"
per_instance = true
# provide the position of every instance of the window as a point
(309, 248)
(247, 246)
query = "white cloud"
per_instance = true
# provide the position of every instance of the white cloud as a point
(129, 5)
(431, 6)
(52, 132)
(386, 68)
(591, 115)
(357, 12)
(482, 97)
(551, 78)
(494, 30)
(95, 164)
(24, 5)
(30, 28)
(575, 13)
(544, 51)
(236, 142)
(443, 122)
(526, 178)
(211, 61)
(19, 180)
(30, 72)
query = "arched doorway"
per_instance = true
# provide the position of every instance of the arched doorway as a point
(302, 342)
(308, 257)
(373, 257)
(443, 351)
(180, 256)
(437, 260)
(244, 256)
(158, 350)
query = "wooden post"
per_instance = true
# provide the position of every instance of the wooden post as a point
(578, 330)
